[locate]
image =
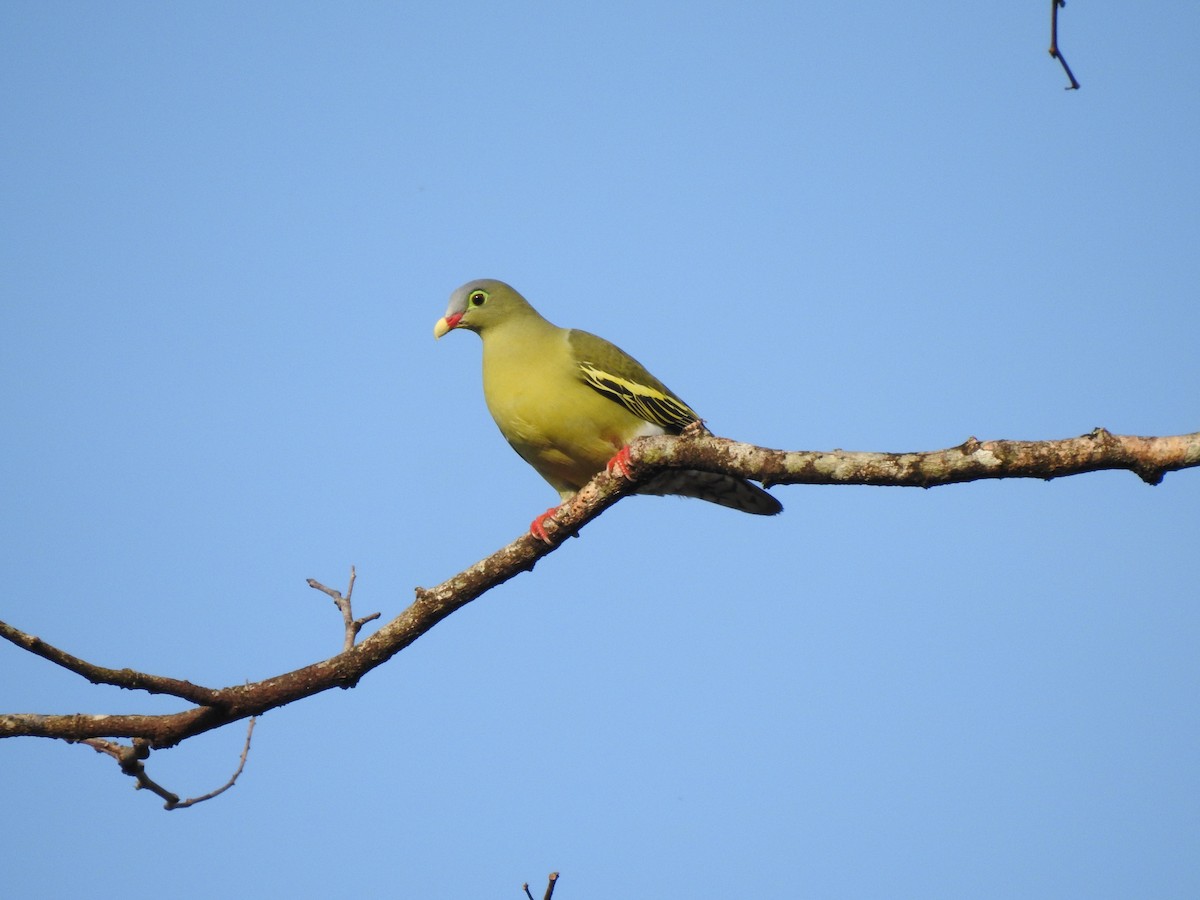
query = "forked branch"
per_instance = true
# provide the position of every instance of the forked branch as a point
(973, 460)
(553, 880)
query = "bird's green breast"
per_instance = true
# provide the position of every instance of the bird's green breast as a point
(559, 425)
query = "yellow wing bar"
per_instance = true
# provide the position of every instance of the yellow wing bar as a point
(643, 401)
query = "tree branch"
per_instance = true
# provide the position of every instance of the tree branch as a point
(1054, 51)
(1148, 457)
(129, 757)
(549, 887)
(352, 625)
(122, 678)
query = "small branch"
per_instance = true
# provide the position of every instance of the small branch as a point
(130, 758)
(122, 678)
(353, 626)
(549, 887)
(1054, 51)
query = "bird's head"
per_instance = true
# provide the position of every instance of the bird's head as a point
(480, 305)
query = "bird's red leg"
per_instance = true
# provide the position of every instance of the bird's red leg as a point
(538, 526)
(621, 463)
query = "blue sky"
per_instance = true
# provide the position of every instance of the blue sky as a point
(227, 231)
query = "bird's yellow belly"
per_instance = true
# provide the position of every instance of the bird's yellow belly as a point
(567, 442)
(559, 425)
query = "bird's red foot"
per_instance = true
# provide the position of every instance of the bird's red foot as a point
(538, 526)
(621, 463)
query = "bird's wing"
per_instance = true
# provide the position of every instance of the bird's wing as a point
(612, 372)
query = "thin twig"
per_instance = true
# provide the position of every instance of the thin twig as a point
(353, 626)
(130, 756)
(232, 779)
(1054, 51)
(549, 887)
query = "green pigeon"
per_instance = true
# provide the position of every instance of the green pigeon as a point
(570, 402)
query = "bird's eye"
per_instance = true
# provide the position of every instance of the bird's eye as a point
(478, 298)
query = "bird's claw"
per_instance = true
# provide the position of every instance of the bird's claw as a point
(621, 464)
(538, 526)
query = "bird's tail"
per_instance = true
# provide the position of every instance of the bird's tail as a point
(736, 493)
